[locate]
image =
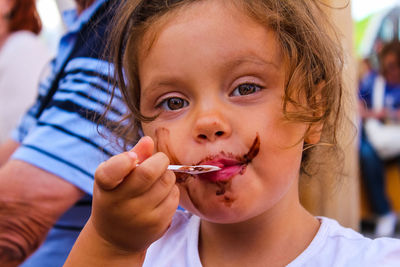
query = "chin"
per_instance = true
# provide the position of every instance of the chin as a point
(224, 209)
(221, 216)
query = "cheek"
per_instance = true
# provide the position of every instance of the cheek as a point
(149, 130)
(279, 163)
(282, 133)
(163, 139)
(156, 129)
(281, 149)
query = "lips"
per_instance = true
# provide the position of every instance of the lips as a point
(229, 168)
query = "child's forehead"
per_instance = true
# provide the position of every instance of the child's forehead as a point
(191, 13)
(189, 10)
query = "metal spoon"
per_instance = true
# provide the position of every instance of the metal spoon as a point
(195, 169)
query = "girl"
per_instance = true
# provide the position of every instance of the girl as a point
(247, 86)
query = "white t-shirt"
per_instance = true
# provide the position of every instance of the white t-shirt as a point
(22, 60)
(333, 246)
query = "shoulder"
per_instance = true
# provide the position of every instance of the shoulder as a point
(335, 245)
(25, 45)
(357, 249)
(24, 39)
(179, 245)
(23, 35)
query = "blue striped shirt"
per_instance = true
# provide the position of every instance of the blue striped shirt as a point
(64, 139)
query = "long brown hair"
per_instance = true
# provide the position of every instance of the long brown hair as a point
(311, 53)
(24, 16)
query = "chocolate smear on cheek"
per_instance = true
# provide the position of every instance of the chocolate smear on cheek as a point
(162, 138)
(253, 151)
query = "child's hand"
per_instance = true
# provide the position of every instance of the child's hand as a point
(133, 206)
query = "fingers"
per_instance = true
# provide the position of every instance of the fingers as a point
(158, 192)
(112, 172)
(150, 183)
(164, 196)
(145, 175)
(161, 215)
(170, 202)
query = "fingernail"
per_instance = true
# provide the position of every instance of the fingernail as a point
(132, 155)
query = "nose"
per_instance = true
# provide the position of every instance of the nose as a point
(211, 126)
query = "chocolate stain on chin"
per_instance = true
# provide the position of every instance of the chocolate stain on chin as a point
(222, 188)
(228, 201)
(181, 177)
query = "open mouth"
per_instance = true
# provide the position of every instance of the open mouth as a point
(230, 166)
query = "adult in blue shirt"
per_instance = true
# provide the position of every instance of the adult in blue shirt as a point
(380, 99)
(47, 167)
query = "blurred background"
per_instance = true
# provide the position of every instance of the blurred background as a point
(375, 23)
(50, 12)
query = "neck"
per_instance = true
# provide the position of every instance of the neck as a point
(3, 39)
(83, 4)
(273, 239)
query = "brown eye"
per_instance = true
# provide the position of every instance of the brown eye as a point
(174, 103)
(246, 89)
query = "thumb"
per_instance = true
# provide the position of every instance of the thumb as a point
(112, 172)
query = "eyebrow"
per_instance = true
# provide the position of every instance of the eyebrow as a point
(162, 80)
(250, 59)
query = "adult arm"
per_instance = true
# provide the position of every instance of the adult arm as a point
(366, 113)
(6, 150)
(31, 201)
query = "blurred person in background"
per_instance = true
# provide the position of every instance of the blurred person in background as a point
(23, 56)
(46, 176)
(380, 101)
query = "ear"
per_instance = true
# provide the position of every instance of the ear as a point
(313, 134)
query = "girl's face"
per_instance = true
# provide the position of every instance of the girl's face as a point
(391, 68)
(216, 78)
(5, 9)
